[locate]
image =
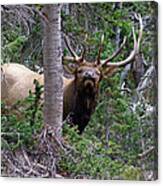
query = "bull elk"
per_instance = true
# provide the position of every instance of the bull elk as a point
(80, 92)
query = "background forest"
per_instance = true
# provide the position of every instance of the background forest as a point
(120, 141)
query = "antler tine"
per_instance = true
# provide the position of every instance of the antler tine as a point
(75, 57)
(83, 53)
(117, 52)
(134, 51)
(73, 53)
(98, 62)
(69, 58)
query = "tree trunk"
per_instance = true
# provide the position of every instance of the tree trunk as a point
(52, 56)
(117, 5)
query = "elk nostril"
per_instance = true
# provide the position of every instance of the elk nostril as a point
(88, 74)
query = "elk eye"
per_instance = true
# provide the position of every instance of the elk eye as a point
(80, 71)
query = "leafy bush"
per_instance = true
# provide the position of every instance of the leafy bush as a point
(96, 155)
(22, 122)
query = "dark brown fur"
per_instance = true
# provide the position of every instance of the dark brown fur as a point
(82, 94)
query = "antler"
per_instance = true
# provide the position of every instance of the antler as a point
(98, 62)
(75, 57)
(107, 62)
(117, 51)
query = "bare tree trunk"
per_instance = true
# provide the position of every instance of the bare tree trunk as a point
(117, 5)
(52, 55)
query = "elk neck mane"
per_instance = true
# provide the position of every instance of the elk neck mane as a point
(84, 100)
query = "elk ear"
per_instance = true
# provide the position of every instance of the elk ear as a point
(70, 68)
(109, 71)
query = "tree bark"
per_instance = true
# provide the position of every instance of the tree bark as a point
(52, 57)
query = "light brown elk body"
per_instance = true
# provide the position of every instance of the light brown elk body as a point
(17, 81)
(80, 92)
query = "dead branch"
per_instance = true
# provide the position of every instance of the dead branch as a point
(146, 153)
